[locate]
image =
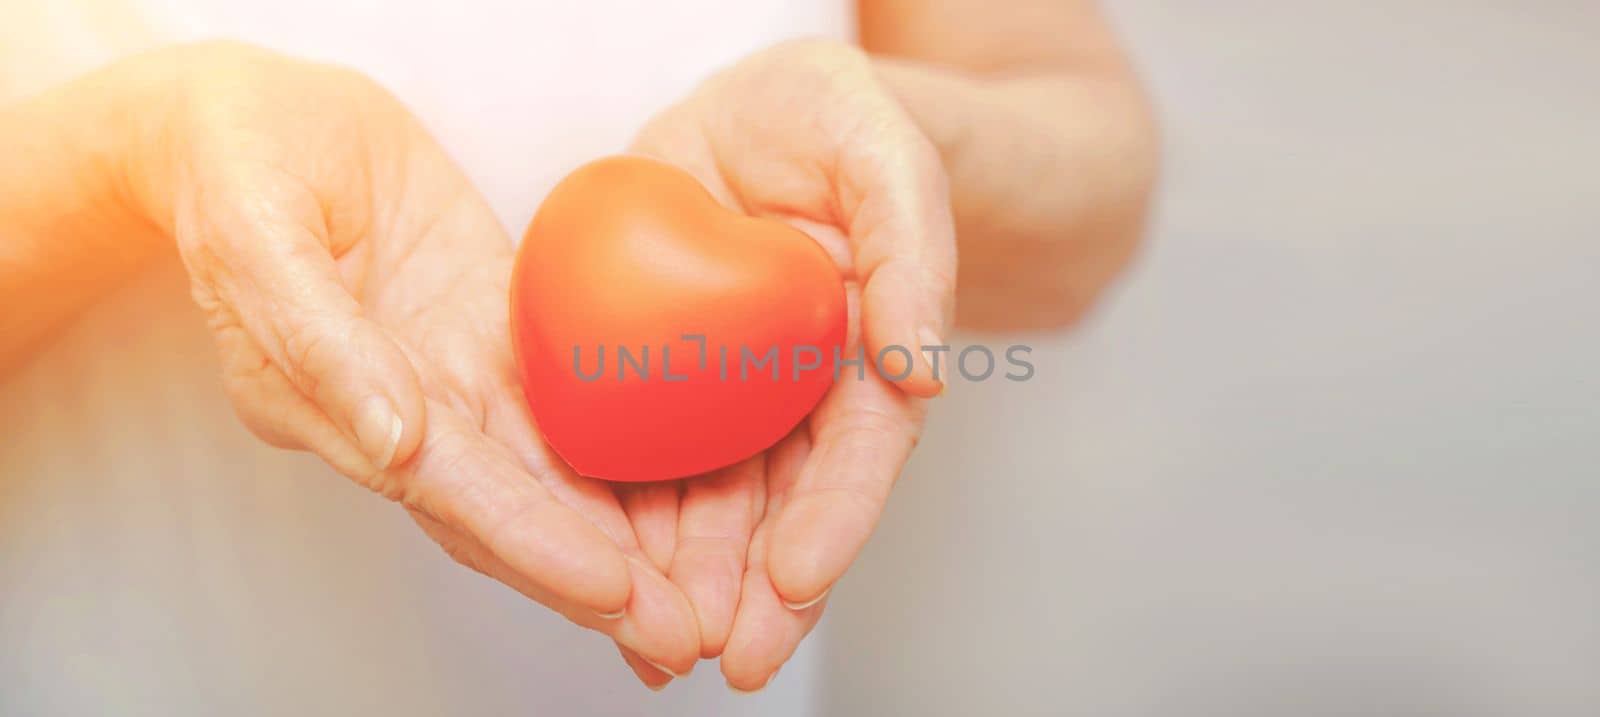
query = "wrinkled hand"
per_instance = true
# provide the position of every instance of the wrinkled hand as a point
(356, 285)
(803, 132)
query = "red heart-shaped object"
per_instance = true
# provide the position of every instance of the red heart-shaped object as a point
(627, 261)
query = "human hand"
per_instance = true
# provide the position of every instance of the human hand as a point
(804, 133)
(356, 286)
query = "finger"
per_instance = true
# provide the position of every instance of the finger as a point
(784, 463)
(265, 252)
(896, 202)
(658, 622)
(864, 164)
(467, 552)
(652, 678)
(474, 485)
(270, 406)
(652, 508)
(632, 629)
(674, 138)
(716, 517)
(765, 631)
(862, 434)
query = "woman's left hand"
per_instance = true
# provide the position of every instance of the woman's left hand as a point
(805, 133)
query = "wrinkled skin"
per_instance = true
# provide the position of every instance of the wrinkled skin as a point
(356, 285)
(806, 133)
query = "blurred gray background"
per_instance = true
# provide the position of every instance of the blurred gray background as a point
(1334, 447)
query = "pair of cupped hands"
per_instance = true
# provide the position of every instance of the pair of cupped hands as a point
(356, 284)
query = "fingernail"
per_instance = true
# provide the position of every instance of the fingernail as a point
(658, 688)
(664, 668)
(798, 606)
(378, 430)
(611, 615)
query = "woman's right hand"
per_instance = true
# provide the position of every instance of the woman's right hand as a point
(356, 285)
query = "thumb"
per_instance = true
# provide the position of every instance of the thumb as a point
(904, 246)
(280, 282)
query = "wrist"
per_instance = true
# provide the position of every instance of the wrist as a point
(81, 156)
(136, 160)
(73, 218)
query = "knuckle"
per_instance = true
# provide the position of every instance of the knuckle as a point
(915, 273)
(203, 258)
(266, 427)
(250, 381)
(385, 483)
(437, 467)
(306, 348)
(461, 553)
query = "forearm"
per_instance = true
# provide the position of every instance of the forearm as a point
(1035, 156)
(1046, 137)
(70, 185)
